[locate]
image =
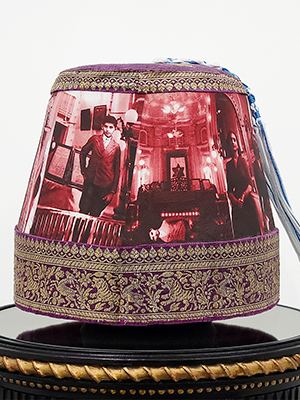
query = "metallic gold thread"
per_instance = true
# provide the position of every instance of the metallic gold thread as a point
(146, 81)
(49, 276)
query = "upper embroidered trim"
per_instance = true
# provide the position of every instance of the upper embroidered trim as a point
(147, 81)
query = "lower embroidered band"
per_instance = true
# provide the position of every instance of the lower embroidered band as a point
(147, 284)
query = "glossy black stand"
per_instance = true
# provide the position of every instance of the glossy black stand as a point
(39, 340)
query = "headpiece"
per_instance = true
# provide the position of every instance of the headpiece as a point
(85, 245)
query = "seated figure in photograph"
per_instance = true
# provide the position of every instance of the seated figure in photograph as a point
(169, 231)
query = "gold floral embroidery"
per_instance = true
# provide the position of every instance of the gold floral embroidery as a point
(146, 284)
(146, 81)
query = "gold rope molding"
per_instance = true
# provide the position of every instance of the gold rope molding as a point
(100, 373)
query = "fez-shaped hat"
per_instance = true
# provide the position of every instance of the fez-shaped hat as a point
(148, 202)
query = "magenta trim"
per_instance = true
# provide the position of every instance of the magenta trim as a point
(151, 67)
(147, 247)
(158, 322)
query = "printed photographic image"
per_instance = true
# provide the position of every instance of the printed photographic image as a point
(122, 169)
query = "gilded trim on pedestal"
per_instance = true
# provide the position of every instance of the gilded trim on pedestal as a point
(142, 392)
(157, 374)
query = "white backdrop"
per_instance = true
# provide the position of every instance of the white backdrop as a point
(258, 40)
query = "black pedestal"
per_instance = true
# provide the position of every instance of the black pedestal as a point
(244, 358)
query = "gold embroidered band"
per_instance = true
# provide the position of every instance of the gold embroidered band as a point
(155, 81)
(147, 284)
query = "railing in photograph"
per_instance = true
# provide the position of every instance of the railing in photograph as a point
(71, 226)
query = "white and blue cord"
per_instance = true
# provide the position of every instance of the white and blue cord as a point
(275, 186)
(274, 182)
(273, 179)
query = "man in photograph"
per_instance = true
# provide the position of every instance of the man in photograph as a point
(101, 172)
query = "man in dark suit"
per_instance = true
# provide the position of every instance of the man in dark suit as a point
(101, 173)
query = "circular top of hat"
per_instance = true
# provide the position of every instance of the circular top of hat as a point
(148, 78)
